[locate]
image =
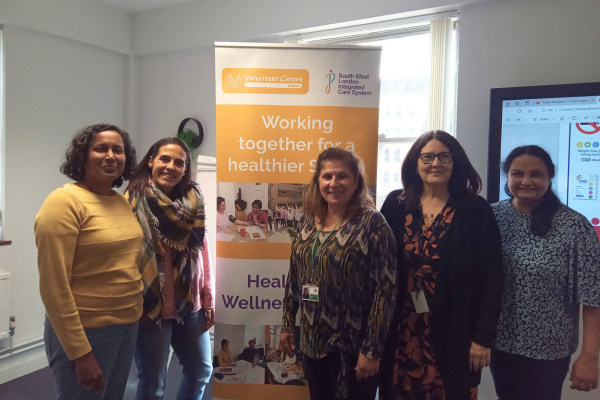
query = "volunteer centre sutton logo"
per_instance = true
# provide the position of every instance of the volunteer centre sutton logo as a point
(330, 78)
(236, 82)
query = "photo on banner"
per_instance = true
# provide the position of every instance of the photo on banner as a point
(278, 107)
(258, 356)
(261, 212)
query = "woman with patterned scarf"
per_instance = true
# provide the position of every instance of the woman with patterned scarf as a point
(176, 272)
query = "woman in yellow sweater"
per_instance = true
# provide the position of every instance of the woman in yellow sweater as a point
(225, 356)
(89, 246)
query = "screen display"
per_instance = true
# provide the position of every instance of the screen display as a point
(568, 128)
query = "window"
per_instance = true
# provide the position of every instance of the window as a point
(416, 77)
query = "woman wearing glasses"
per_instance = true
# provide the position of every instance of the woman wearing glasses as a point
(449, 276)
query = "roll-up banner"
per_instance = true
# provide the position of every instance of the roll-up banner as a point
(278, 107)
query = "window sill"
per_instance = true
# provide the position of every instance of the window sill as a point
(5, 242)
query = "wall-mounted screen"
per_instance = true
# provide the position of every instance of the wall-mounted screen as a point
(565, 121)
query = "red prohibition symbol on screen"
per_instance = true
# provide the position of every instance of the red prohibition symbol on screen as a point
(589, 128)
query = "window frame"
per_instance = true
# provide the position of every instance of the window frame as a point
(393, 29)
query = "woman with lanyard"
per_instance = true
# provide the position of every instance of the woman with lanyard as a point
(176, 271)
(552, 267)
(450, 276)
(345, 255)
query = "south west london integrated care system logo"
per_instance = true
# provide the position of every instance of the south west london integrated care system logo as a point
(349, 83)
(330, 78)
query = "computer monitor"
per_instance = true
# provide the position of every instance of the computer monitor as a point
(562, 119)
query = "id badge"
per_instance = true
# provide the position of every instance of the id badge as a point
(310, 293)
(420, 302)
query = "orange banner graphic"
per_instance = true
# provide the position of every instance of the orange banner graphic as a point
(278, 144)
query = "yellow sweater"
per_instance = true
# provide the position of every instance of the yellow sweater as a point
(225, 358)
(88, 254)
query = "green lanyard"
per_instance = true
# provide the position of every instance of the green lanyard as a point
(312, 254)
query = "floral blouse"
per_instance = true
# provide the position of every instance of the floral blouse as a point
(545, 281)
(355, 271)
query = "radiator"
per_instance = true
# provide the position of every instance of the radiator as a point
(4, 303)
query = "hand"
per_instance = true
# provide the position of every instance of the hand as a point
(289, 345)
(210, 318)
(584, 374)
(365, 367)
(89, 373)
(479, 357)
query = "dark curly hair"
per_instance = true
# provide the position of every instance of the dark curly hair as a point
(77, 154)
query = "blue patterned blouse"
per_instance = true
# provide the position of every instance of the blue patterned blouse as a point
(545, 281)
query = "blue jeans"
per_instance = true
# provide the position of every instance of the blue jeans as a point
(192, 347)
(518, 377)
(113, 347)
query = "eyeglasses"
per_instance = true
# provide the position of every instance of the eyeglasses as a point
(428, 158)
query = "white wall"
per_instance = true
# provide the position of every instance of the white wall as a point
(251, 192)
(200, 23)
(86, 21)
(174, 86)
(520, 43)
(54, 86)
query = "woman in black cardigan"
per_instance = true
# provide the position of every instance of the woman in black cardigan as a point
(450, 276)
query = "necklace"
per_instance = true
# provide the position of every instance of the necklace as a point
(430, 216)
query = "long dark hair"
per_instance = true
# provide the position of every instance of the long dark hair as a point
(143, 172)
(541, 217)
(78, 152)
(314, 204)
(465, 182)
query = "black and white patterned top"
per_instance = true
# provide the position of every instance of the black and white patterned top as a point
(540, 308)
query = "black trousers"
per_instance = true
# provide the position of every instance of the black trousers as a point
(322, 375)
(522, 378)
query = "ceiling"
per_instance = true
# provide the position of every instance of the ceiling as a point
(141, 5)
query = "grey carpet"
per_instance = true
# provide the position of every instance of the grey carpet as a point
(39, 386)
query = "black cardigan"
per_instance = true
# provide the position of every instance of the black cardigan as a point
(468, 293)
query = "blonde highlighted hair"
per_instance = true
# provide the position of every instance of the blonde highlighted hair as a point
(315, 206)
